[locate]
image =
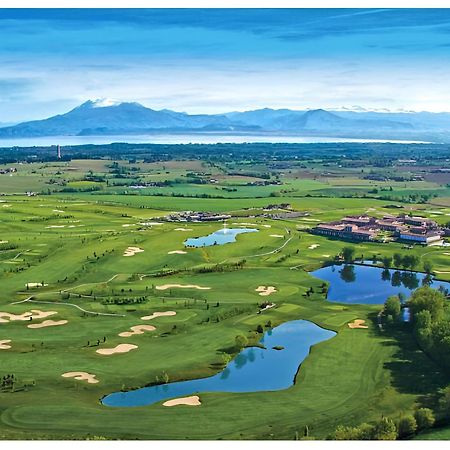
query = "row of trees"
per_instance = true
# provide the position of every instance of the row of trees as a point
(387, 429)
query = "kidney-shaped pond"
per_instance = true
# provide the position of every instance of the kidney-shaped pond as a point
(253, 369)
(220, 237)
(351, 283)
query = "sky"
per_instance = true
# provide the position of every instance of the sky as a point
(221, 60)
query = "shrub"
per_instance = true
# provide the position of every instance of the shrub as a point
(407, 426)
(424, 418)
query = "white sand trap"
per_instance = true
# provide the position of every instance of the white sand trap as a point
(163, 287)
(309, 219)
(4, 345)
(35, 285)
(313, 246)
(150, 223)
(265, 290)
(28, 315)
(183, 229)
(6, 206)
(55, 226)
(193, 400)
(267, 226)
(121, 348)
(4, 242)
(357, 323)
(137, 329)
(277, 235)
(131, 251)
(326, 256)
(48, 323)
(81, 376)
(127, 224)
(177, 252)
(159, 314)
(58, 210)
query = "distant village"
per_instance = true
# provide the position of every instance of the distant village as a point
(412, 229)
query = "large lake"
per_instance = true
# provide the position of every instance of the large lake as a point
(368, 284)
(181, 139)
(253, 369)
(220, 237)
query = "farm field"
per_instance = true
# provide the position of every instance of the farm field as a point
(91, 262)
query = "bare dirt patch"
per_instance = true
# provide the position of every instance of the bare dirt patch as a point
(47, 323)
(121, 348)
(81, 376)
(137, 329)
(193, 400)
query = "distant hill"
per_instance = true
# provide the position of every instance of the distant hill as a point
(106, 118)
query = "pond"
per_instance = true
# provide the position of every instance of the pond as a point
(351, 283)
(253, 369)
(220, 237)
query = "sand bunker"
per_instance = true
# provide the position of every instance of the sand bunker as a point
(163, 287)
(81, 376)
(4, 345)
(55, 226)
(183, 229)
(357, 323)
(131, 251)
(267, 226)
(137, 329)
(150, 223)
(177, 252)
(159, 314)
(277, 235)
(58, 210)
(193, 400)
(48, 323)
(313, 246)
(265, 290)
(326, 256)
(28, 315)
(121, 348)
(34, 285)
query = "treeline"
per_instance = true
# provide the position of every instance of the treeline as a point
(431, 323)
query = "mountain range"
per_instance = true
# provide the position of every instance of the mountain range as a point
(109, 118)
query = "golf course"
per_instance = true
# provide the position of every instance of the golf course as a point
(105, 291)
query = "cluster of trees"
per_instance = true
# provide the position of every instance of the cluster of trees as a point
(387, 429)
(124, 300)
(431, 324)
(221, 267)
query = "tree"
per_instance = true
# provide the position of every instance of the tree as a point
(387, 260)
(426, 298)
(241, 341)
(392, 306)
(260, 329)
(343, 433)
(398, 260)
(348, 254)
(407, 426)
(385, 430)
(444, 401)
(424, 418)
(428, 267)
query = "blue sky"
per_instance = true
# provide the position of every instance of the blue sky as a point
(208, 61)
